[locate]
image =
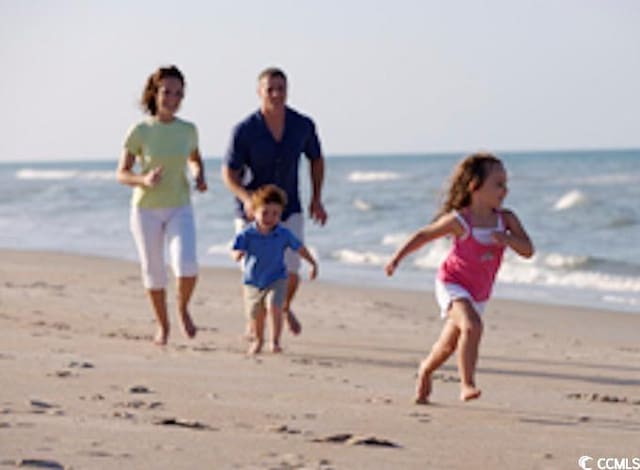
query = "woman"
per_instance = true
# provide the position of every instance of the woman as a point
(164, 145)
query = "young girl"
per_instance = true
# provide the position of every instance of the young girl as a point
(472, 213)
(164, 145)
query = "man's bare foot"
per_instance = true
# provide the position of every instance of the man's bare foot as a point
(294, 325)
(255, 348)
(160, 339)
(276, 348)
(188, 327)
(469, 392)
(423, 388)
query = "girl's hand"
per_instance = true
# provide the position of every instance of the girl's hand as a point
(500, 237)
(153, 177)
(391, 267)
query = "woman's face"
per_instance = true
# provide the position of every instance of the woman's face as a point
(169, 97)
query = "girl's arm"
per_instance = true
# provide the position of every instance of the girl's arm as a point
(309, 258)
(197, 169)
(515, 236)
(445, 225)
(125, 174)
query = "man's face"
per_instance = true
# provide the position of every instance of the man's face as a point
(272, 92)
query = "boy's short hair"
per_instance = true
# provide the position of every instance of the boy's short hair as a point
(269, 194)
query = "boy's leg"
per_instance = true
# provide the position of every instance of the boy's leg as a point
(440, 352)
(257, 324)
(275, 300)
(469, 324)
(276, 328)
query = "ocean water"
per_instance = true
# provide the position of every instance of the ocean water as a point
(581, 209)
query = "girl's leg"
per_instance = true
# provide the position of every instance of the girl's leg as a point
(440, 352)
(276, 328)
(181, 234)
(469, 324)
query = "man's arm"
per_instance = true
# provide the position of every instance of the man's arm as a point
(316, 208)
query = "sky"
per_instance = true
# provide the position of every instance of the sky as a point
(377, 77)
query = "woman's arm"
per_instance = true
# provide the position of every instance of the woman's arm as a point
(125, 174)
(197, 170)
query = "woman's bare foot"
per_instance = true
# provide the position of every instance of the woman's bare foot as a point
(188, 327)
(469, 392)
(423, 389)
(275, 348)
(160, 339)
(255, 348)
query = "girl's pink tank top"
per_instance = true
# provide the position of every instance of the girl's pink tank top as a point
(472, 264)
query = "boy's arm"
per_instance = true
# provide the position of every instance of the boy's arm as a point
(445, 225)
(310, 259)
(237, 255)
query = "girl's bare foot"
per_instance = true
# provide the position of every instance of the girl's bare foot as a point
(423, 389)
(160, 339)
(275, 348)
(188, 327)
(255, 348)
(469, 392)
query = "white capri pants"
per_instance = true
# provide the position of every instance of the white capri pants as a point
(149, 228)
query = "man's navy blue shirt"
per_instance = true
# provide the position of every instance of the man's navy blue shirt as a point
(263, 160)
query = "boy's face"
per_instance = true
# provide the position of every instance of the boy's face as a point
(268, 215)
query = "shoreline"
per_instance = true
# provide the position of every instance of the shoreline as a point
(84, 387)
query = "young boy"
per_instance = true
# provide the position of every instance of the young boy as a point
(262, 245)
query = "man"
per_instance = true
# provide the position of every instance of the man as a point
(265, 148)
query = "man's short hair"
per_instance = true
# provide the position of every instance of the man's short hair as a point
(272, 72)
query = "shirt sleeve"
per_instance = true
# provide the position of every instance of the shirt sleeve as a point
(235, 157)
(312, 148)
(194, 138)
(294, 243)
(240, 242)
(133, 140)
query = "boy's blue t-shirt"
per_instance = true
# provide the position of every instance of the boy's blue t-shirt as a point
(264, 254)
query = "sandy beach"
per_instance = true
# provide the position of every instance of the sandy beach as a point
(83, 387)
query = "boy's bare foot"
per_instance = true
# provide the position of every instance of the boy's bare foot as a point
(469, 392)
(160, 339)
(255, 348)
(294, 325)
(423, 388)
(275, 348)
(188, 327)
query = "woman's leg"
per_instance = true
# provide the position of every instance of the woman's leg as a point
(148, 234)
(181, 234)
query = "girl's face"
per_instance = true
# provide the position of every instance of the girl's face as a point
(169, 97)
(268, 215)
(494, 189)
